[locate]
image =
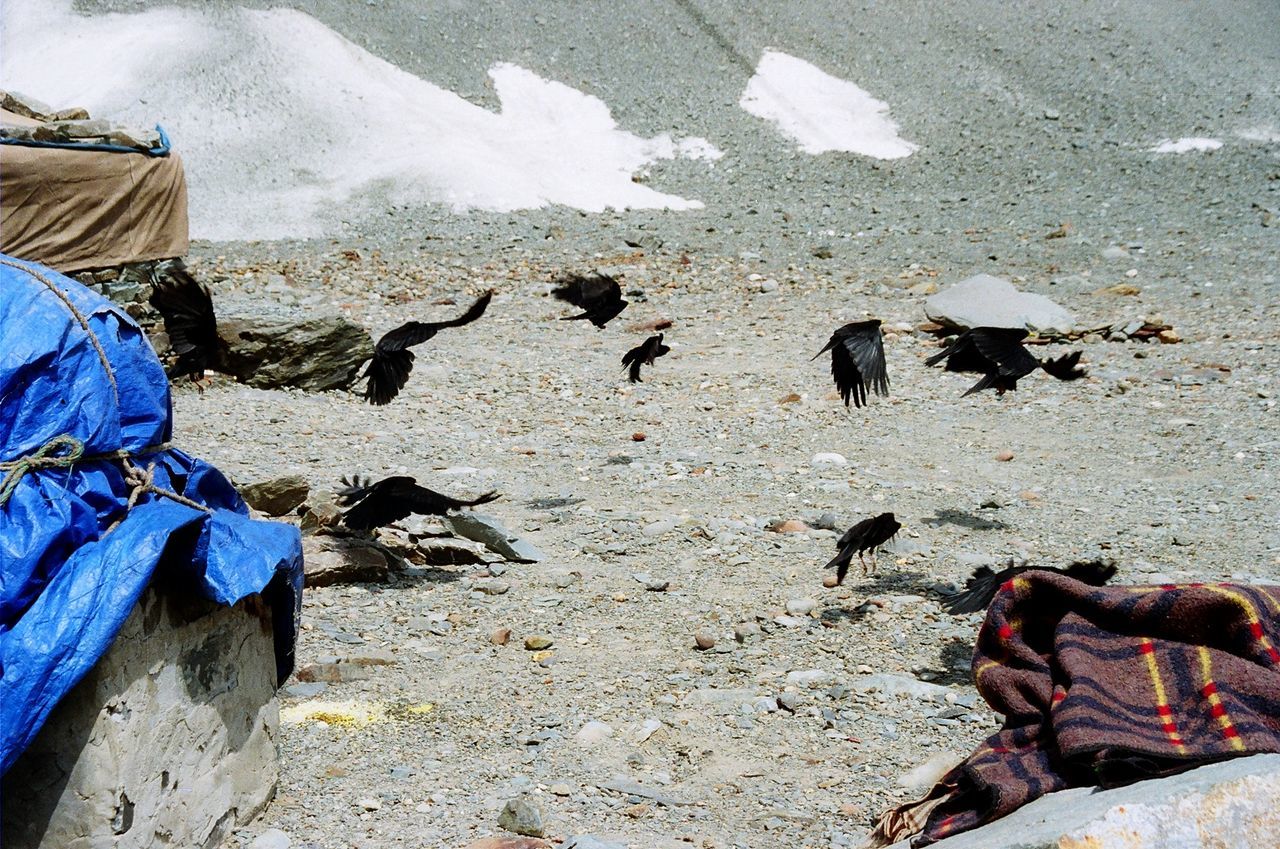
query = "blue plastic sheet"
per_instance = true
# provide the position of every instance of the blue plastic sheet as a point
(77, 376)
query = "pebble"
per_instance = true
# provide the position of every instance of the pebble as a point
(788, 701)
(769, 285)
(744, 631)
(500, 637)
(660, 527)
(1005, 456)
(272, 838)
(806, 678)
(801, 606)
(703, 640)
(828, 458)
(369, 804)
(537, 642)
(593, 732)
(560, 789)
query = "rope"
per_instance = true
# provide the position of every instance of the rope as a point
(79, 317)
(45, 458)
(141, 481)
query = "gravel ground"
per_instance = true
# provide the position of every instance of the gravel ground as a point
(1164, 459)
(1034, 125)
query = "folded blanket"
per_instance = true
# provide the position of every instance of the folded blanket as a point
(1105, 686)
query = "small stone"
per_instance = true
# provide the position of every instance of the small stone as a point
(333, 673)
(637, 810)
(788, 701)
(272, 838)
(638, 437)
(806, 678)
(744, 631)
(787, 526)
(768, 285)
(560, 789)
(828, 459)
(830, 581)
(1168, 337)
(500, 637)
(703, 641)
(1005, 456)
(369, 804)
(801, 606)
(593, 732)
(522, 817)
(277, 496)
(537, 642)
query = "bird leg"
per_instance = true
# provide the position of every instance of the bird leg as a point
(202, 383)
(862, 560)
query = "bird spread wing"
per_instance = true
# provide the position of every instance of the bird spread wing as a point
(388, 371)
(979, 590)
(186, 307)
(416, 332)
(644, 353)
(857, 361)
(1066, 367)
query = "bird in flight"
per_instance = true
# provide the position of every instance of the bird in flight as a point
(375, 505)
(598, 295)
(982, 587)
(189, 320)
(857, 361)
(867, 535)
(998, 355)
(644, 354)
(392, 361)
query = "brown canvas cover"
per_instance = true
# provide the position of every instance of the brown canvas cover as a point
(78, 209)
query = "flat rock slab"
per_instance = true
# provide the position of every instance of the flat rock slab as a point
(489, 531)
(1232, 803)
(987, 301)
(345, 560)
(309, 352)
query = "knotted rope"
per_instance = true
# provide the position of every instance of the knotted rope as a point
(42, 458)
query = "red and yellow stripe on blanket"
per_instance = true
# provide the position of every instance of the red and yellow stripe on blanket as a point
(1105, 686)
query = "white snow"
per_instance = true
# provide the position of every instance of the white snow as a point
(820, 112)
(1187, 145)
(287, 129)
(1264, 133)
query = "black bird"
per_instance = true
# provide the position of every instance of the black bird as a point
(980, 589)
(189, 320)
(374, 505)
(599, 295)
(644, 353)
(392, 361)
(998, 355)
(857, 361)
(867, 535)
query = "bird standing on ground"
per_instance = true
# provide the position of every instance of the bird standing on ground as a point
(998, 355)
(644, 353)
(857, 361)
(375, 505)
(598, 295)
(867, 535)
(980, 589)
(392, 361)
(186, 306)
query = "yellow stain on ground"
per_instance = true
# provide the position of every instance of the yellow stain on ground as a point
(353, 714)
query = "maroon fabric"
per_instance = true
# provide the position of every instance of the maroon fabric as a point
(1104, 686)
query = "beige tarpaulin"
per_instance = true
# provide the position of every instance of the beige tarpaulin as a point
(78, 209)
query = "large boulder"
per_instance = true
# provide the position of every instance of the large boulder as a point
(1232, 803)
(987, 301)
(272, 348)
(170, 740)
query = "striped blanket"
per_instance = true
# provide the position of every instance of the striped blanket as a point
(1105, 686)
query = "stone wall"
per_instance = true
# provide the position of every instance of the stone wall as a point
(170, 740)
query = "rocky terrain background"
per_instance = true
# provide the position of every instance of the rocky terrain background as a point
(813, 708)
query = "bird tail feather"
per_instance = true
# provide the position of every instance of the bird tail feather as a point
(977, 594)
(1065, 367)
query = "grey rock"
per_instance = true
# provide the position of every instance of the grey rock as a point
(346, 559)
(1224, 804)
(25, 105)
(522, 817)
(587, 841)
(894, 685)
(446, 552)
(306, 690)
(277, 496)
(272, 838)
(489, 531)
(308, 352)
(801, 606)
(987, 301)
(629, 787)
(207, 711)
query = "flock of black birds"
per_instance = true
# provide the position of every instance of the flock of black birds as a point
(857, 366)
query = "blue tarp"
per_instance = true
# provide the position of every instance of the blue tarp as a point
(78, 377)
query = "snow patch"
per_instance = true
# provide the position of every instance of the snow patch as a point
(820, 112)
(1186, 145)
(287, 129)
(1268, 134)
